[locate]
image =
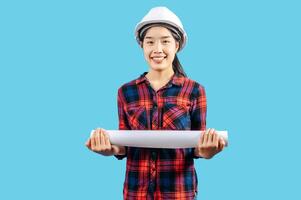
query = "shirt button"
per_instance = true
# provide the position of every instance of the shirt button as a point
(155, 106)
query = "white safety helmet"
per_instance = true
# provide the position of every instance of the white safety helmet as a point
(162, 15)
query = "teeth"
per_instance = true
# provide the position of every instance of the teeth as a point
(158, 59)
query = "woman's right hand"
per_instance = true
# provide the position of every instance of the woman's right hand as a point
(99, 142)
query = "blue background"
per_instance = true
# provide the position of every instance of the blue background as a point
(61, 63)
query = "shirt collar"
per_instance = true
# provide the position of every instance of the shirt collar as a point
(176, 79)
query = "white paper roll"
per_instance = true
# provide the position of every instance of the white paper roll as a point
(158, 138)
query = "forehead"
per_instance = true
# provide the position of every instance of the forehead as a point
(158, 32)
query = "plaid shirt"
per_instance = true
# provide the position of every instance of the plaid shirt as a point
(161, 173)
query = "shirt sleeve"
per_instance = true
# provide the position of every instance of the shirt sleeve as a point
(123, 123)
(199, 112)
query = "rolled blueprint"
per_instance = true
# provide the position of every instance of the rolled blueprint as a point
(158, 138)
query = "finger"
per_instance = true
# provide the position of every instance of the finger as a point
(210, 136)
(93, 139)
(104, 133)
(221, 144)
(106, 144)
(88, 143)
(205, 135)
(202, 137)
(92, 135)
(102, 137)
(107, 140)
(97, 139)
(94, 132)
(215, 139)
(92, 142)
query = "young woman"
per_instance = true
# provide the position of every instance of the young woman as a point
(163, 98)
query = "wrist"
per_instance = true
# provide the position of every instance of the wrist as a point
(119, 150)
(198, 153)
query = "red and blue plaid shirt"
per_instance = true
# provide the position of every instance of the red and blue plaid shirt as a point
(161, 173)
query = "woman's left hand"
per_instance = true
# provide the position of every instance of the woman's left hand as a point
(210, 143)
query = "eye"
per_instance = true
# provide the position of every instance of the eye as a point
(149, 42)
(166, 41)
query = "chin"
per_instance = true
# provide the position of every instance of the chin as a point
(158, 68)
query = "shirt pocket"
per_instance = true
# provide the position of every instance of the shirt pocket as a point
(137, 117)
(176, 117)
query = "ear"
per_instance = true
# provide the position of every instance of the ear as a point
(177, 46)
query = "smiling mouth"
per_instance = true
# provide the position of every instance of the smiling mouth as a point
(158, 59)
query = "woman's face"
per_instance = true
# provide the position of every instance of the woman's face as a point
(159, 47)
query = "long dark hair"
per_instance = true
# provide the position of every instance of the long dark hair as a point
(176, 65)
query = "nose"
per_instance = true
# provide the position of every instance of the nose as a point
(158, 47)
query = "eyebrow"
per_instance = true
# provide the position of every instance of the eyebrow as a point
(163, 37)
